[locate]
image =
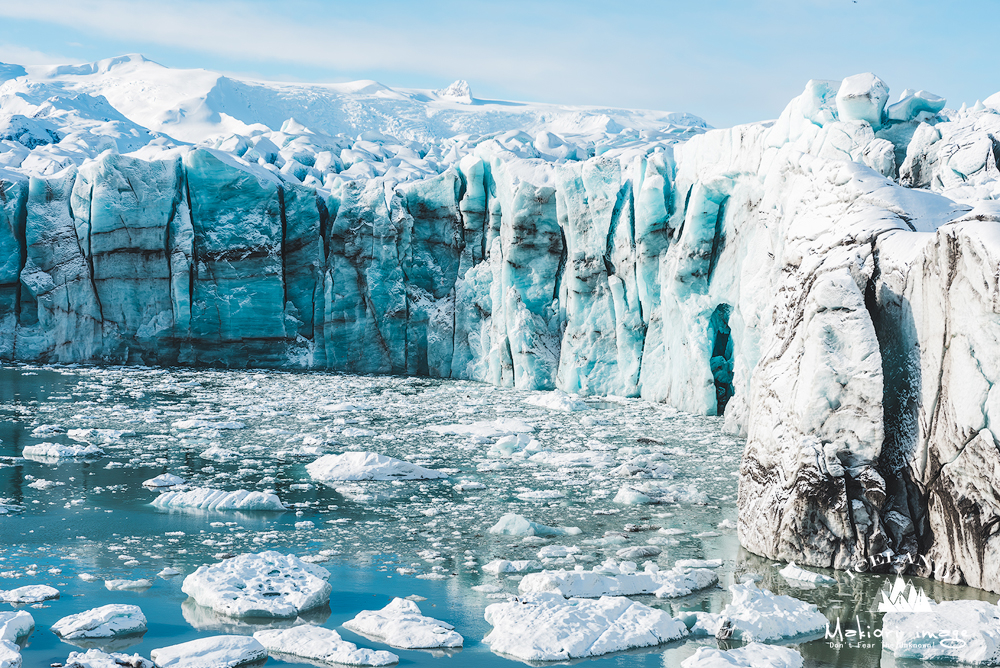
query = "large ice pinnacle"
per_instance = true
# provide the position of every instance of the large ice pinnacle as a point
(862, 97)
(458, 91)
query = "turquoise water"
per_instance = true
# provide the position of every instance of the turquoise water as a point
(378, 539)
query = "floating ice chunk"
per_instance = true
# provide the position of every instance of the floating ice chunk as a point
(42, 483)
(29, 594)
(168, 572)
(87, 577)
(204, 498)
(213, 652)
(616, 579)
(517, 525)
(650, 492)
(754, 655)
(548, 627)
(952, 631)
(468, 486)
(10, 655)
(793, 572)
(46, 430)
(355, 432)
(494, 429)
(206, 424)
(367, 466)
(15, 625)
(557, 551)
(319, 644)
(557, 401)
(912, 103)
(98, 435)
(268, 584)
(595, 458)
(345, 407)
(400, 624)
(757, 615)
(498, 566)
(126, 585)
(862, 97)
(697, 563)
(107, 621)
(637, 552)
(217, 454)
(513, 444)
(541, 495)
(95, 658)
(164, 480)
(43, 451)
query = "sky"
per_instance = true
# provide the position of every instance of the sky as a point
(728, 61)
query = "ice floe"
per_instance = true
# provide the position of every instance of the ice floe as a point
(793, 572)
(548, 627)
(757, 615)
(15, 625)
(268, 584)
(95, 658)
(557, 401)
(512, 524)
(319, 644)
(204, 498)
(29, 594)
(164, 480)
(367, 466)
(107, 621)
(212, 652)
(622, 579)
(44, 451)
(125, 585)
(753, 655)
(10, 655)
(401, 624)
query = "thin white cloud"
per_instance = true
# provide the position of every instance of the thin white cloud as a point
(21, 55)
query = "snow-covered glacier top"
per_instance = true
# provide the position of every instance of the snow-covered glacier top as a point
(51, 117)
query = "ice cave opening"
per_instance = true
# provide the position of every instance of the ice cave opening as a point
(722, 356)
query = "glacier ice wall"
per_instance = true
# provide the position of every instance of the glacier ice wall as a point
(826, 281)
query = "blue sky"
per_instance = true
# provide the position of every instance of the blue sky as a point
(728, 61)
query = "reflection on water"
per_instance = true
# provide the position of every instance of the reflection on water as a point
(92, 517)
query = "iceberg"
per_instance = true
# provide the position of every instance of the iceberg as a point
(548, 627)
(29, 594)
(367, 466)
(400, 624)
(512, 524)
(951, 632)
(318, 644)
(614, 579)
(10, 655)
(107, 621)
(268, 584)
(757, 615)
(95, 658)
(15, 625)
(211, 652)
(752, 655)
(203, 498)
(44, 451)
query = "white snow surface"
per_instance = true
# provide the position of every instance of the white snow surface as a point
(401, 624)
(204, 498)
(320, 644)
(95, 658)
(29, 594)
(752, 655)
(59, 451)
(211, 652)
(10, 655)
(107, 621)
(548, 627)
(15, 624)
(164, 480)
(367, 466)
(757, 615)
(513, 524)
(268, 584)
(620, 579)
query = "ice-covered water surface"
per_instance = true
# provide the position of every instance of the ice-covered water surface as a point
(627, 473)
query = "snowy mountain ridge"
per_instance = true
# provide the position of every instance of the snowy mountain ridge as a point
(826, 281)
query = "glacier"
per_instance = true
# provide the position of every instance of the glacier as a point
(825, 281)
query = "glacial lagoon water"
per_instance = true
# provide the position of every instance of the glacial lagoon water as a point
(60, 519)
